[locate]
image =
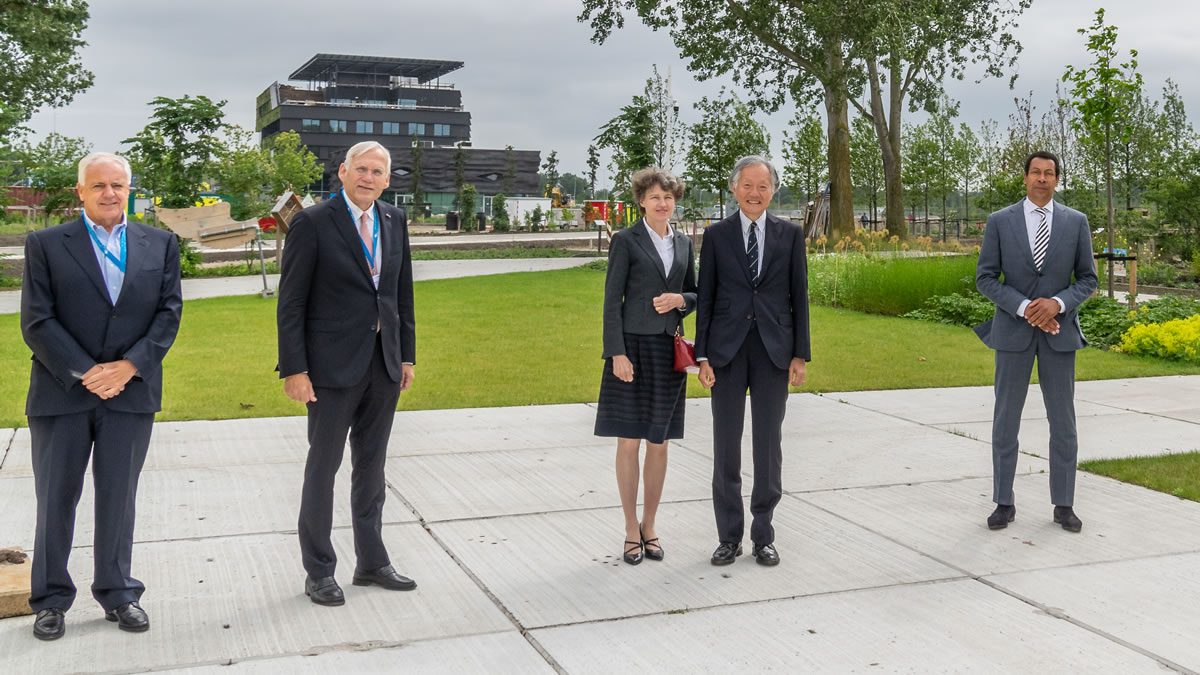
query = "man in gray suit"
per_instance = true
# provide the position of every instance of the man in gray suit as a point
(1044, 252)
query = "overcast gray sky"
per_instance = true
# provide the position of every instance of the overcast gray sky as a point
(532, 78)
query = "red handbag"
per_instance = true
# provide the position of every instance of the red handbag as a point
(685, 354)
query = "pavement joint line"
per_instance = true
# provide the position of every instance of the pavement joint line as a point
(319, 650)
(1062, 615)
(744, 603)
(533, 642)
(236, 535)
(1132, 410)
(8, 446)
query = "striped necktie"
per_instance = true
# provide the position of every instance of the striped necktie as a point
(752, 251)
(1042, 239)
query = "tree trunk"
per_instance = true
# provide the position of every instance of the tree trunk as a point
(1112, 221)
(837, 112)
(887, 130)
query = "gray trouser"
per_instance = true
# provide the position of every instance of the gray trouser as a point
(1056, 376)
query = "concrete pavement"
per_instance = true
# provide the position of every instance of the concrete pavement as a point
(509, 520)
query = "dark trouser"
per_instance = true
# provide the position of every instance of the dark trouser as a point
(751, 369)
(1056, 375)
(117, 444)
(365, 411)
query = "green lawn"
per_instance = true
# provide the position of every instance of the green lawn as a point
(1177, 475)
(530, 338)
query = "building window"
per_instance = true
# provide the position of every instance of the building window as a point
(310, 125)
(441, 130)
(337, 126)
(407, 103)
(391, 128)
(416, 129)
(364, 127)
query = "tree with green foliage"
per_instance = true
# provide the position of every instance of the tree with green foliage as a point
(500, 221)
(965, 154)
(465, 203)
(550, 173)
(243, 174)
(293, 166)
(866, 164)
(775, 51)
(920, 168)
(941, 131)
(51, 166)
(508, 182)
(804, 155)
(669, 132)
(176, 152)
(726, 132)
(1098, 91)
(460, 168)
(39, 58)
(911, 46)
(645, 133)
(593, 165)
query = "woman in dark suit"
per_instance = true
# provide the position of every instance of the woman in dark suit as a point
(650, 287)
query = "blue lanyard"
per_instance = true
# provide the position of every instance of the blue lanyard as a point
(118, 262)
(374, 234)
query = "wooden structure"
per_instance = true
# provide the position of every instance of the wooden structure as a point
(209, 225)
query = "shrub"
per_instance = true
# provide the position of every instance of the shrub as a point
(1166, 308)
(1178, 339)
(1104, 321)
(957, 309)
(1158, 274)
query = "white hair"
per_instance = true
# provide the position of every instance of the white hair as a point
(359, 149)
(98, 157)
(751, 160)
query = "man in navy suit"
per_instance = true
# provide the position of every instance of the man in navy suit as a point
(1036, 265)
(100, 307)
(347, 345)
(751, 335)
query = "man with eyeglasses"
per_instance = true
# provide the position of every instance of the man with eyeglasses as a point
(1036, 266)
(347, 342)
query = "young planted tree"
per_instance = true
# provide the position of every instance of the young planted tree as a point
(805, 169)
(965, 154)
(39, 58)
(668, 140)
(866, 164)
(1097, 92)
(593, 165)
(244, 173)
(629, 137)
(51, 167)
(176, 152)
(293, 166)
(726, 132)
(550, 173)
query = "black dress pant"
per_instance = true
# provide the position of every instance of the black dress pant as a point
(365, 411)
(750, 370)
(116, 442)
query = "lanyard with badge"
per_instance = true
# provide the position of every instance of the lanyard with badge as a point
(118, 262)
(374, 233)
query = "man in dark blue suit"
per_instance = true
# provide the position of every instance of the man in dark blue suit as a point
(751, 335)
(347, 345)
(100, 307)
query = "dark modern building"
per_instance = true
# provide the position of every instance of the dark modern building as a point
(339, 100)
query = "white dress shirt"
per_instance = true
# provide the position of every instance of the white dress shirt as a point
(664, 245)
(760, 234)
(1032, 220)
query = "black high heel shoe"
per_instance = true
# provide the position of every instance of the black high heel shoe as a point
(655, 553)
(633, 552)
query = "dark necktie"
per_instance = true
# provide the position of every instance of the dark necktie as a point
(752, 251)
(1042, 239)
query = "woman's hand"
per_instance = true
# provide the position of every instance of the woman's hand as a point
(623, 368)
(669, 301)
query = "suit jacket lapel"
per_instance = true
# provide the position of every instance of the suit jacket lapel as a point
(1021, 233)
(769, 227)
(679, 241)
(345, 227)
(79, 245)
(136, 247)
(1057, 231)
(643, 239)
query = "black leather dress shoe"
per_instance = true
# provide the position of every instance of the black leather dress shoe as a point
(726, 553)
(1065, 516)
(129, 617)
(385, 576)
(1002, 516)
(324, 591)
(50, 624)
(766, 555)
